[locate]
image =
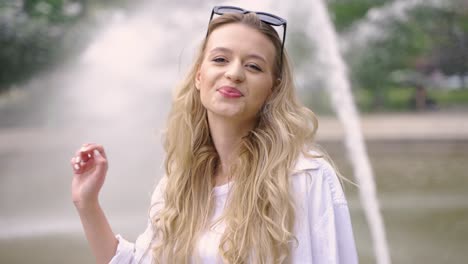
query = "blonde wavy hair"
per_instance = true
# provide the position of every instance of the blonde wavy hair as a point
(259, 216)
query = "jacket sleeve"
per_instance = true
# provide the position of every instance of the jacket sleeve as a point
(332, 235)
(140, 251)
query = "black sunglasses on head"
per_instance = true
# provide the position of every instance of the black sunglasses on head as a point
(263, 16)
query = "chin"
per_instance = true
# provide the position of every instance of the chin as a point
(227, 113)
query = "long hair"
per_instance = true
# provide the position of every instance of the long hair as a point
(259, 216)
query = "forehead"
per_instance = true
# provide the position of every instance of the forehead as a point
(241, 39)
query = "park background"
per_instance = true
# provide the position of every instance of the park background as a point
(79, 71)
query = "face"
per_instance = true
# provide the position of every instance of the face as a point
(236, 75)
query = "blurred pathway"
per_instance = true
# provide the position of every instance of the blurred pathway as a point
(395, 126)
(402, 126)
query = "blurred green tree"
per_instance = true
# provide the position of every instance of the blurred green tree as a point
(374, 69)
(30, 36)
(345, 13)
(451, 45)
(428, 39)
(35, 35)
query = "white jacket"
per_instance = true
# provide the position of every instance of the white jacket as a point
(323, 226)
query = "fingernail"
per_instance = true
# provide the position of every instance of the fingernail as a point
(76, 166)
(77, 159)
(89, 155)
(96, 152)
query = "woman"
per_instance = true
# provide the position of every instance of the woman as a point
(243, 183)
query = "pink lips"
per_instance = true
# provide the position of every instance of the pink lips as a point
(230, 92)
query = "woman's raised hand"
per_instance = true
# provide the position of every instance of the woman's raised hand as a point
(89, 168)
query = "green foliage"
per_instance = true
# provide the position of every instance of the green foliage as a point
(373, 69)
(30, 38)
(364, 99)
(22, 54)
(50, 10)
(429, 38)
(318, 100)
(345, 13)
(446, 98)
(398, 98)
(407, 43)
(451, 52)
(38, 34)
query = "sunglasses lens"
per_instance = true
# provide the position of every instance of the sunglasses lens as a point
(265, 17)
(227, 9)
(270, 20)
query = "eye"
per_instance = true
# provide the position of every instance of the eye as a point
(219, 59)
(255, 67)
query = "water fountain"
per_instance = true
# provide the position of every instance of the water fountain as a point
(338, 85)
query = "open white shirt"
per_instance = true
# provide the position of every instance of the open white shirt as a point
(322, 228)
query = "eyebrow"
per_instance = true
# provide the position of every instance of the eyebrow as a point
(251, 55)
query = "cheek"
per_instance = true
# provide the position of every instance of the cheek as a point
(204, 88)
(199, 79)
(266, 90)
(205, 78)
(261, 95)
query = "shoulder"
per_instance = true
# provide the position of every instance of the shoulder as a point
(158, 192)
(157, 198)
(314, 176)
(322, 214)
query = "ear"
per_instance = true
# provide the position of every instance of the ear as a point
(197, 80)
(277, 82)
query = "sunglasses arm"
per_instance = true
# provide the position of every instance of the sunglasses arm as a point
(282, 44)
(211, 17)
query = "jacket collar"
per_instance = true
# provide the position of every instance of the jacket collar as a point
(304, 163)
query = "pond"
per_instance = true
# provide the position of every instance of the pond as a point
(422, 189)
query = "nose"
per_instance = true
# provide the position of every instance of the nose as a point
(235, 72)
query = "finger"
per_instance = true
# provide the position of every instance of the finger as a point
(76, 160)
(89, 155)
(101, 151)
(81, 161)
(75, 165)
(91, 147)
(81, 156)
(98, 158)
(96, 161)
(85, 152)
(85, 156)
(87, 146)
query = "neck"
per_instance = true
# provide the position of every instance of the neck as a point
(226, 134)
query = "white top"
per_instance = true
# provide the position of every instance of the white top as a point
(323, 226)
